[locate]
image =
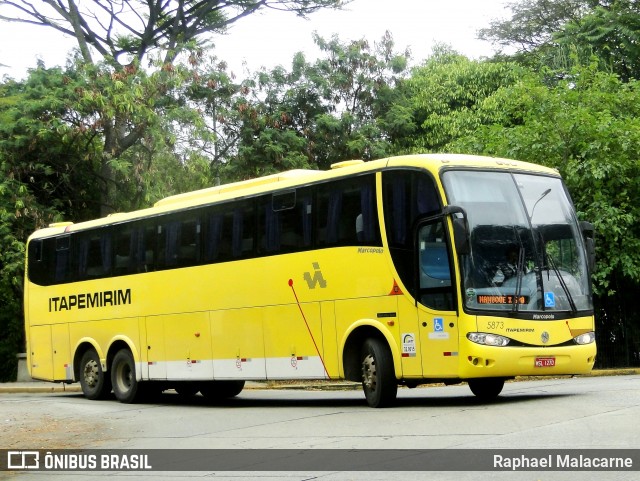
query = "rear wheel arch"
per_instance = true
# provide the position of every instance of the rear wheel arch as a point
(82, 347)
(118, 345)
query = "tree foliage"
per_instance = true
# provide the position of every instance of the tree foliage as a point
(37, 178)
(563, 33)
(128, 30)
(318, 113)
(130, 37)
(445, 93)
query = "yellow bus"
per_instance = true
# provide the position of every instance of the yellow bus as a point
(400, 271)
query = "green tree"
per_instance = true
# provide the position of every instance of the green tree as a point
(611, 32)
(37, 177)
(563, 33)
(50, 170)
(125, 35)
(534, 23)
(319, 113)
(445, 93)
(357, 85)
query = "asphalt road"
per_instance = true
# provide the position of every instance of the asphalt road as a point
(578, 413)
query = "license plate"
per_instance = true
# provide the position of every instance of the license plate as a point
(545, 362)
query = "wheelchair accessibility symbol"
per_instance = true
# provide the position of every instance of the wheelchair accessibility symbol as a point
(438, 324)
(549, 299)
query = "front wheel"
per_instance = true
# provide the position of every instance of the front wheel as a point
(95, 384)
(486, 389)
(378, 377)
(123, 377)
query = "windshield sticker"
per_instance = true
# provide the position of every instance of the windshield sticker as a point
(549, 299)
(471, 293)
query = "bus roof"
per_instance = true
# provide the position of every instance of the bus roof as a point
(293, 178)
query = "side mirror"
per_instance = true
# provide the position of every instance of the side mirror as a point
(460, 229)
(588, 233)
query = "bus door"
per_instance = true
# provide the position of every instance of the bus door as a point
(437, 316)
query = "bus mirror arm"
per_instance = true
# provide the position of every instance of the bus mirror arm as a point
(588, 233)
(460, 228)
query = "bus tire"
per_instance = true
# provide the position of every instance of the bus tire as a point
(123, 377)
(486, 389)
(95, 384)
(378, 377)
(217, 390)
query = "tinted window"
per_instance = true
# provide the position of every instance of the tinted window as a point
(408, 195)
(336, 213)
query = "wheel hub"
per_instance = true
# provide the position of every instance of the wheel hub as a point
(91, 373)
(369, 372)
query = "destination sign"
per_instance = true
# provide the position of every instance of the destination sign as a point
(507, 299)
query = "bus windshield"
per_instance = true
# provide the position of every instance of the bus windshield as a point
(526, 247)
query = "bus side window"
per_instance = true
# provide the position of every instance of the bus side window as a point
(214, 250)
(408, 195)
(287, 221)
(179, 241)
(63, 245)
(271, 226)
(188, 251)
(94, 255)
(148, 246)
(348, 212)
(243, 230)
(37, 267)
(123, 251)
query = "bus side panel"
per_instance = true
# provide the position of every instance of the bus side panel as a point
(102, 333)
(439, 343)
(380, 312)
(187, 341)
(40, 353)
(410, 339)
(237, 343)
(330, 339)
(155, 352)
(293, 342)
(61, 353)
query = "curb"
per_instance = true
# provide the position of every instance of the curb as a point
(47, 387)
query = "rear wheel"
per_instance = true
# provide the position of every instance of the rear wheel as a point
(217, 390)
(123, 377)
(95, 384)
(378, 378)
(486, 389)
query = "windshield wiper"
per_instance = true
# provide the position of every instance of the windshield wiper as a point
(552, 263)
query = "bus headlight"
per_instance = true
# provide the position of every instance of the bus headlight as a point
(586, 338)
(487, 339)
